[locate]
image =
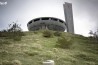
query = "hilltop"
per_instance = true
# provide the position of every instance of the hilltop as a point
(34, 48)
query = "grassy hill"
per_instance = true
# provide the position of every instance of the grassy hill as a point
(34, 48)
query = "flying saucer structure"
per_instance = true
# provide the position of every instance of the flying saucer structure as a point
(53, 23)
(50, 23)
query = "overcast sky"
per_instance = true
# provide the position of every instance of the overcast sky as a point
(85, 13)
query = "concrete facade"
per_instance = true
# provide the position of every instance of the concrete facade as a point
(69, 17)
(50, 23)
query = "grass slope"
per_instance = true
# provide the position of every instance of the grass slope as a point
(33, 49)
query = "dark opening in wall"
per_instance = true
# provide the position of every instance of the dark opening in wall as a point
(30, 22)
(54, 19)
(45, 18)
(36, 19)
(61, 21)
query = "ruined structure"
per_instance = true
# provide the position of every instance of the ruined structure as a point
(52, 23)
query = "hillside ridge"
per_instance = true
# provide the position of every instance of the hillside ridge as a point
(34, 48)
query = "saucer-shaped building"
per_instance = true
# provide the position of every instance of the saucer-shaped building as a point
(50, 23)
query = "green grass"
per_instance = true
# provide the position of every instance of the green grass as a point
(33, 49)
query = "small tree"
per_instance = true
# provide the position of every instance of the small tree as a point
(14, 32)
(91, 33)
(94, 34)
(14, 27)
(57, 33)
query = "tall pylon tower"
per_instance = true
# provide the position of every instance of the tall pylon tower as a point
(69, 17)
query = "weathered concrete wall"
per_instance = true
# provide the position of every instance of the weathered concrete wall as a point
(50, 24)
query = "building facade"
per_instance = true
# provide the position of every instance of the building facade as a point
(50, 23)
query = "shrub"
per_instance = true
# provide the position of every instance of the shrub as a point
(47, 33)
(94, 35)
(35, 32)
(16, 36)
(64, 42)
(57, 33)
(14, 32)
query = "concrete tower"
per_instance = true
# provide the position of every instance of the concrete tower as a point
(69, 17)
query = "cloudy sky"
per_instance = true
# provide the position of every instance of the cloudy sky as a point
(85, 13)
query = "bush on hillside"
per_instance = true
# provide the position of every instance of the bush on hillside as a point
(57, 33)
(93, 35)
(14, 32)
(35, 32)
(64, 42)
(47, 33)
(3, 33)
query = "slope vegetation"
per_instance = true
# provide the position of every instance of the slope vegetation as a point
(34, 48)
